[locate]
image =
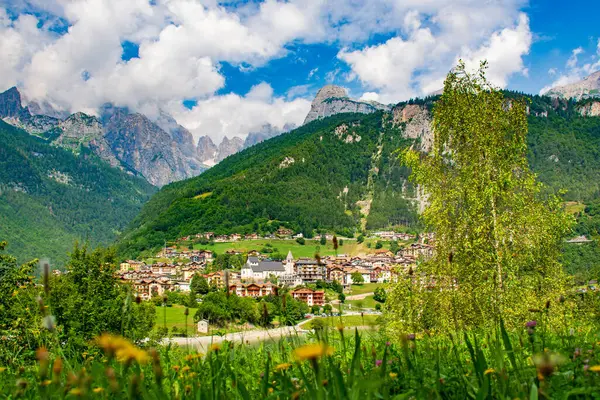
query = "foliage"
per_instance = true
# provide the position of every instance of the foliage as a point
(199, 284)
(380, 295)
(357, 278)
(50, 198)
(89, 300)
(498, 236)
(527, 363)
(252, 193)
(300, 241)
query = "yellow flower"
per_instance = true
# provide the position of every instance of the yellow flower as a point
(282, 367)
(176, 368)
(132, 353)
(46, 382)
(595, 368)
(98, 390)
(312, 351)
(393, 375)
(122, 348)
(75, 392)
(270, 390)
(2, 369)
(185, 369)
(489, 371)
(215, 347)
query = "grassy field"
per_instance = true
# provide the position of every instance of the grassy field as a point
(175, 318)
(364, 288)
(367, 302)
(309, 249)
(574, 207)
(348, 321)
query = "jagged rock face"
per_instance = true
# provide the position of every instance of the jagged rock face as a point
(590, 109)
(80, 130)
(417, 120)
(267, 131)
(144, 147)
(229, 147)
(13, 112)
(331, 100)
(10, 105)
(207, 150)
(210, 154)
(588, 87)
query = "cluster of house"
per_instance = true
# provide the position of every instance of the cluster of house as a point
(234, 237)
(260, 276)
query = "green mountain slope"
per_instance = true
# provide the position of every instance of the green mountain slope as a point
(50, 197)
(307, 179)
(315, 178)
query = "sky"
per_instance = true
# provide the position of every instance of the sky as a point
(226, 68)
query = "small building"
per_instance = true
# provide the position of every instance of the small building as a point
(203, 326)
(309, 296)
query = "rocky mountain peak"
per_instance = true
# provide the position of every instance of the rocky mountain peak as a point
(588, 87)
(332, 99)
(329, 92)
(10, 105)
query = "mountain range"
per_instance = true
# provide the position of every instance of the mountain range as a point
(337, 172)
(161, 151)
(51, 197)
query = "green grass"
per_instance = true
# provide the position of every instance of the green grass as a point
(364, 288)
(347, 321)
(367, 302)
(282, 246)
(175, 318)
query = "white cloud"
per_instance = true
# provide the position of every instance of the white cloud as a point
(234, 115)
(416, 64)
(574, 70)
(504, 53)
(182, 44)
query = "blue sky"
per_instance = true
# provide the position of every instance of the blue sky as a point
(228, 68)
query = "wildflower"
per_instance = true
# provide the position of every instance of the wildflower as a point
(411, 337)
(378, 363)
(98, 390)
(546, 363)
(531, 324)
(124, 350)
(215, 347)
(185, 369)
(75, 392)
(176, 368)
(340, 327)
(270, 390)
(46, 382)
(312, 351)
(283, 367)
(595, 368)
(393, 375)
(2, 369)
(388, 344)
(489, 371)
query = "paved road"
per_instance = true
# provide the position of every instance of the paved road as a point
(202, 343)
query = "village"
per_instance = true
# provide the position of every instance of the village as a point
(261, 276)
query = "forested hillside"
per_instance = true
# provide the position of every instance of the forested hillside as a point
(307, 179)
(50, 197)
(321, 177)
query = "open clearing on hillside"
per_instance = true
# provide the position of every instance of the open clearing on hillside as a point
(311, 247)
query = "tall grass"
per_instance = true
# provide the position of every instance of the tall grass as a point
(532, 363)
